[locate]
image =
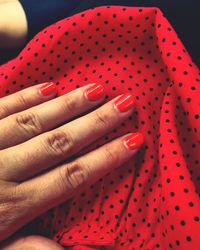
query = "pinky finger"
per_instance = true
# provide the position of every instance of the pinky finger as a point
(58, 185)
(26, 98)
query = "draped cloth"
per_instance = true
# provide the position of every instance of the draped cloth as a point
(152, 201)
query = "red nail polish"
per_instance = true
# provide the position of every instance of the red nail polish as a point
(48, 89)
(95, 92)
(125, 102)
(134, 140)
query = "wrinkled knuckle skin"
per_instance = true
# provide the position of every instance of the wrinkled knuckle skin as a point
(23, 101)
(30, 123)
(102, 119)
(69, 104)
(76, 175)
(3, 112)
(59, 144)
(110, 155)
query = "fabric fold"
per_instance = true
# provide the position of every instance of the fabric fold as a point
(152, 201)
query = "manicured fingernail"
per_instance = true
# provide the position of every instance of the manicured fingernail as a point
(124, 102)
(134, 140)
(95, 92)
(48, 88)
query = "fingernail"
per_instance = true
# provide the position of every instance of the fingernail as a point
(134, 140)
(95, 92)
(48, 88)
(124, 102)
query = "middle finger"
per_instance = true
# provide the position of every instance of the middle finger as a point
(46, 150)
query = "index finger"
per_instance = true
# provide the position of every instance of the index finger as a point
(26, 98)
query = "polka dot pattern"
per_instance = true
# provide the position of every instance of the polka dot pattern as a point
(152, 201)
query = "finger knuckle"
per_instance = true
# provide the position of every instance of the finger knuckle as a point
(109, 154)
(3, 111)
(102, 119)
(22, 100)
(69, 104)
(75, 175)
(60, 143)
(29, 122)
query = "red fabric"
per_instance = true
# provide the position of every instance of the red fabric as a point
(152, 202)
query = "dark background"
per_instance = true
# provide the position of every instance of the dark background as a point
(183, 15)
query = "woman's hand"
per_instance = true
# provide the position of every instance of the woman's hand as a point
(37, 134)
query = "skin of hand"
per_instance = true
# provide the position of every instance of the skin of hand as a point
(38, 133)
(13, 24)
(31, 243)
